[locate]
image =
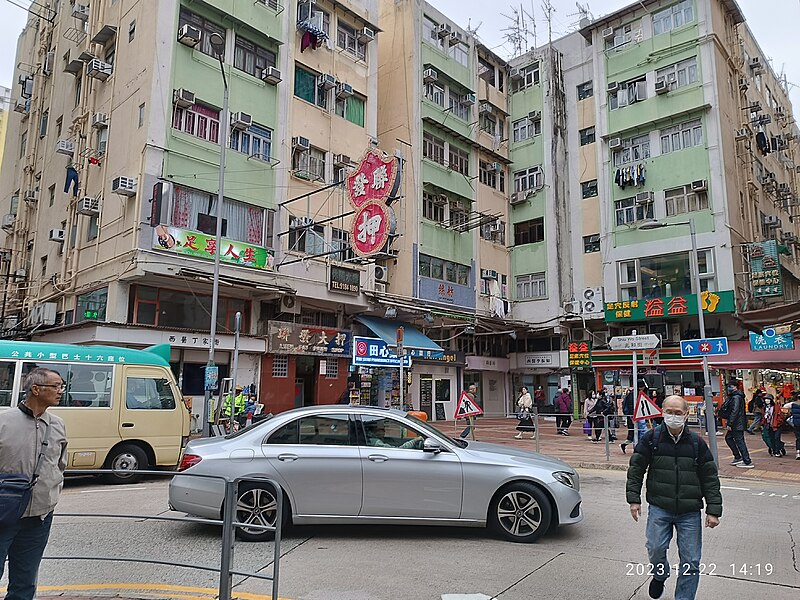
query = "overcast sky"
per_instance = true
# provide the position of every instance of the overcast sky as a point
(774, 23)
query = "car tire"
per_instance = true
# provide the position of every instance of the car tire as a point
(520, 512)
(256, 504)
(127, 457)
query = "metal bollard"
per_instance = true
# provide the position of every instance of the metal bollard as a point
(225, 576)
(607, 436)
(537, 428)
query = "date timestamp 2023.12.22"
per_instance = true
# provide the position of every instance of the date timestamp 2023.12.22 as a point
(730, 569)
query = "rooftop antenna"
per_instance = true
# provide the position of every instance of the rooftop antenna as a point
(547, 7)
(521, 27)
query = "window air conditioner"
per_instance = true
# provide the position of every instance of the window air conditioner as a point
(772, 221)
(488, 274)
(485, 108)
(468, 99)
(341, 160)
(755, 63)
(430, 75)
(182, 98)
(189, 36)
(742, 134)
(444, 30)
(326, 81)
(81, 12)
(99, 69)
(515, 75)
(124, 186)
(366, 35)
(300, 143)
(614, 143)
(99, 120)
(743, 84)
(608, 33)
(344, 90)
(700, 185)
(535, 115)
(31, 196)
(241, 120)
(8, 222)
(56, 235)
(89, 206)
(66, 147)
(271, 75)
(662, 87)
(613, 87)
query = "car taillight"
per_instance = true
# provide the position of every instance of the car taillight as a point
(188, 460)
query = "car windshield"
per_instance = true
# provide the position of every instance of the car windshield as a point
(261, 420)
(427, 427)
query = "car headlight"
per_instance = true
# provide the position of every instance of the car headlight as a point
(565, 477)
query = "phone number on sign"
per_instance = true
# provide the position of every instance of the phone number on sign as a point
(733, 569)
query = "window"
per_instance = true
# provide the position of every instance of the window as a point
(459, 213)
(309, 239)
(633, 150)
(110, 55)
(443, 270)
(524, 129)
(147, 393)
(494, 231)
(331, 368)
(665, 275)
(131, 31)
(486, 286)
(347, 40)
(528, 179)
(487, 71)
(585, 90)
(459, 160)
(631, 211)
(340, 243)
(622, 37)
(493, 175)
(252, 58)
(388, 433)
(433, 148)
(92, 228)
(459, 53)
(205, 26)
(43, 123)
(59, 123)
(309, 164)
(255, 142)
(531, 286)
(679, 137)
(628, 280)
(530, 77)
(682, 200)
(92, 306)
(352, 109)
(88, 385)
(705, 265)
(587, 136)
(197, 120)
(23, 144)
(52, 195)
(491, 124)
(433, 206)
(307, 10)
(78, 87)
(434, 93)
(44, 266)
(529, 232)
(192, 209)
(628, 93)
(102, 141)
(183, 309)
(280, 365)
(305, 87)
(591, 243)
(673, 17)
(7, 371)
(141, 114)
(679, 74)
(457, 107)
(589, 188)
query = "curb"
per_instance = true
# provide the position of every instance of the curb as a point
(599, 466)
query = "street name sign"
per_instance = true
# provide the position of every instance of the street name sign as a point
(707, 347)
(634, 342)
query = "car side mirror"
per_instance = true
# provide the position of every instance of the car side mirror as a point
(431, 445)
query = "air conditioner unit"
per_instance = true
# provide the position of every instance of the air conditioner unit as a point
(613, 87)
(607, 33)
(788, 236)
(743, 84)
(300, 143)
(381, 274)
(469, 99)
(81, 12)
(572, 307)
(496, 167)
(56, 235)
(380, 287)
(326, 81)
(662, 87)
(485, 108)
(742, 134)
(189, 36)
(366, 35)
(31, 196)
(89, 206)
(494, 227)
(66, 147)
(662, 330)
(290, 304)
(430, 75)
(700, 185)
(644, 197)
(182, 98)
(772, 221)
(99, 120)
(755, 64)
(488, 274)
(8, 222)
(344, 90)
(22, 106)
(124, 186)
(444, 30)
(592, 294)
(535, 115)
(515, 75)
(241, 120)
(517, 197)
(99, 69)
(47, 67)
(614, 143)
(20, 273)
(341, 160)
(271, 75)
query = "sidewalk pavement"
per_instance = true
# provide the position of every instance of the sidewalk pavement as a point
(581, 453)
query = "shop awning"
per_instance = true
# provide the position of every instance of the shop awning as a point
(782, 314)
(740, 356)
(413, 338)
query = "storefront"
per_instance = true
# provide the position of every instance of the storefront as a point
(533, 369)
(491, 376)
(375, 380)
(436, 384)
(760, 365)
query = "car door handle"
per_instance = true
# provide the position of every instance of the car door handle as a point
(127, 424)
(287, 457)
(378, 458)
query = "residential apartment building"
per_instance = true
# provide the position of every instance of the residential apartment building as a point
(5, 107)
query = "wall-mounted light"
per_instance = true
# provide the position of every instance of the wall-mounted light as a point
(391, 312)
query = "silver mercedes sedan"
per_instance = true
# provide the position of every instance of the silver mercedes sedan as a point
(360, 464)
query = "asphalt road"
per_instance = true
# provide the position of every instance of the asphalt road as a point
(753, 554)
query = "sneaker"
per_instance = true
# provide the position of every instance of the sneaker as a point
(623, 446)
(656, 588)
(736, 462)
(566, 432)
(798, 455)
(518, 436)
(746, 466)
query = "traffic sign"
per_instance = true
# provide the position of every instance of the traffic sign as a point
(645, 408)
(466, 407)
(634, 342)
(707, 347)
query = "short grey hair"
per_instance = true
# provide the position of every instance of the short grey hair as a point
(676, 397)
(38, 376)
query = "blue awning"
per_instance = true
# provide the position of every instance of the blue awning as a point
(413, 338)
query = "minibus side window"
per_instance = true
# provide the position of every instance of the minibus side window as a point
(148, 393)
(88, 385)
(6, 382)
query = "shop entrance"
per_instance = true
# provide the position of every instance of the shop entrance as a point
(305, 380)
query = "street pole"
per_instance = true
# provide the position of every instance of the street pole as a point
(709, 401)
(237, 319)
(223, 141)
(635, 387)
(400, 352)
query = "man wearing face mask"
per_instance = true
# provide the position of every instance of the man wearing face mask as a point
(681, 477)
(733, 411)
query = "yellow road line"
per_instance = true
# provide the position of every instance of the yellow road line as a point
(153, 587)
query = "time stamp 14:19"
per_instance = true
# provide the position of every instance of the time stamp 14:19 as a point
(731, 569)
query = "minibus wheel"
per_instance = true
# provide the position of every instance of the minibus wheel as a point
(126, 457)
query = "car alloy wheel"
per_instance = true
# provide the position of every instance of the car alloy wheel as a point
(521, 513)
(255, 506)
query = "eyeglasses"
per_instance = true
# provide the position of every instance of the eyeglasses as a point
(59, 386)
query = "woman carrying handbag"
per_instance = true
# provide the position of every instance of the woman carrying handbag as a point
(525, 403)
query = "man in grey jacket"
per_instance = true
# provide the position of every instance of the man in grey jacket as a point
(25, 432)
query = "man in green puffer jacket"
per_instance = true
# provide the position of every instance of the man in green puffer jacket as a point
(681, 475)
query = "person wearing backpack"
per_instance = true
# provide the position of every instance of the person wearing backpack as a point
(681, 477)
(793, 410)
(756, 407)
(733, 411)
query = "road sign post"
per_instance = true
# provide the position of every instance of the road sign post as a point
(633, 343)
(400, 353)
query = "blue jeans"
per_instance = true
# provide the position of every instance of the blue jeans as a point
(23, 544)
(71, 180)
(735, 441)
(756, 422)
(689, 528)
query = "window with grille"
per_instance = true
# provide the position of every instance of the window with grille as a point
(331, 368)
(309, 164)
(307, 239)
(340, 242)
(459, 160)
(589, 188)
(255, 142)
(457, 107)
(630, 210)
(252, 58)
(528, 179)
(280, 365)
(587, 136)
(433, 148)
(591, 243)
(585, 90)
(197, 120)
(347, 40)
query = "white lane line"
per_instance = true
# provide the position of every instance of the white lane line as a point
(730, 487)
(111, 491)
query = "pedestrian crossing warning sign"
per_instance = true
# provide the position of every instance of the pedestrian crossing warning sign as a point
(467, 407)
(645, 408)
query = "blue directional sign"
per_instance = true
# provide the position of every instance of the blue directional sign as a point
(772, 339)
(707, 347)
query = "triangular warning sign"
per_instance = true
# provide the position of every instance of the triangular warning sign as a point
(467, 407)
(645, 408)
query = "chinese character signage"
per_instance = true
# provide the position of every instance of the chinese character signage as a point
(772, 338)
(580, 355)
(372, 225)
(294, 338)
(765, 269)
(201, 245)
(370, 189)
(538, 360)
(373, 352)
(670, 306)
(345, 281)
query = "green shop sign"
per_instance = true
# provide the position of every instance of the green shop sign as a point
(670, 306)
(200, 245)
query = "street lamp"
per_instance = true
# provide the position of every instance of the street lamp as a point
(218, 46)
(711, 421)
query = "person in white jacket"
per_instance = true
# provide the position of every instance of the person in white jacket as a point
(525, 404)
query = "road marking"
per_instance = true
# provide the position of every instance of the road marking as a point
(730, 487)
(155, 587)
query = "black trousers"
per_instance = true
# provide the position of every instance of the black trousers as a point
(563, 421)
